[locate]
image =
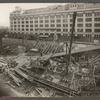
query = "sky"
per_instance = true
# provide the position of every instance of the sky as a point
(7, 8)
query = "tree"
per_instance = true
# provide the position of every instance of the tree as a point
(3, 31)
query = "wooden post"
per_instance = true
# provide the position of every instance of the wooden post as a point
(66, 58)
(71, 38)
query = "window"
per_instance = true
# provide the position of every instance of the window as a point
(96, 30)
(31, 18)
(88, 14)
(41, 25)
(15, 29)
(71, 30)
(46, 33)
(11, 28)
(46, 25)
(97, 24)
(80, 19)
(52, 16)
(65, 16)
(46, 17)
(88, 19)
(26, 21)
(35, 18)
(80, 25)
(52, 21)
(58, 16)
(36, 29)
(26, 25)
(22, 18)
(97, 19)
(31, 25)
(46, 21)
(52, 25)
(27, 29)
(58, 30)
(22, 29)
(41, 17)
(58, 25)
(65, 30)
(18, 25)
(71, 20)
(70, 25)
(97, 14)
(79, 30)
(58, 20)
(65, 25)
(14, 25)
(36, 21)
(64, 20)
(31, 21)
(41, 21)
(22, 21)
(88, 30)
(26, 18)
(36, 25)
(71, 15)
(31, 29)
(22, 25)
(79, 15)
(88, 25)
(14, 22)
(18, 22)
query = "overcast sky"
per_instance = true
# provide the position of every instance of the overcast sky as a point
(6, 8)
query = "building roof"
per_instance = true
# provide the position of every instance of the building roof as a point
(89, 48)
(67, 7)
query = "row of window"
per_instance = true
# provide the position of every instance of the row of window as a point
(88, 30)
(89, 25)
(87, 19)
(64, 15)
(64, 30)
(59, 25)
(59, 16)
(59, 21)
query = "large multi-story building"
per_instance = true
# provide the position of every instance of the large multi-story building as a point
(58, 20)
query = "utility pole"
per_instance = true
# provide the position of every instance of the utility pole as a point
(71, 40)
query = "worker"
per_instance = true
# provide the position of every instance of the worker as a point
(38, 62)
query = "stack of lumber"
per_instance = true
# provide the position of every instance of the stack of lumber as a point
(15, 78)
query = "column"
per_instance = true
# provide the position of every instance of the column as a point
(33, 25)
(84, 24)
(68, 23)
(43, 25)
(92, 34)
(76, 27)
(61, 24)
(93, 23)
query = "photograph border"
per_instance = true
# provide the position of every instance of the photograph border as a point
(49, 1)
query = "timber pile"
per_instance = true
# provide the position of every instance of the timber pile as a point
(47, 47)
(16, 80)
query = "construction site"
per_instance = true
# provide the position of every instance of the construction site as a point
(51, 69)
